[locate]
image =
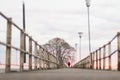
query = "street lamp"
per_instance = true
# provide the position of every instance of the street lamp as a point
(80, 33)
(88, 5)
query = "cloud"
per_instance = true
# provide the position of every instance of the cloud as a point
(46, 19)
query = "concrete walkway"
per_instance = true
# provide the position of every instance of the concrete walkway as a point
(62, 74)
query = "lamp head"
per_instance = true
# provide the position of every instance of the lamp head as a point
(80, 33)
(87, 3)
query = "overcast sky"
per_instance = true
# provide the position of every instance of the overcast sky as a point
(47, 19)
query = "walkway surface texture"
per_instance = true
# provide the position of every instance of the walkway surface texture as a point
(62, 74)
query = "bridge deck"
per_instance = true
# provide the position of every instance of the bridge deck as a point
(62, 74)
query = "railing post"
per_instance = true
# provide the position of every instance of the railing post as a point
(35, 55)
(30, 53)
(85, 63)
(93, 60)
(45, 57)
(43, 64)
(104, 51)
(48, 59)
(100, 58)
(39, 64)
(8, 48)
(39, 59)
(21, 52)
(96, 59)
(109, 51)
(118, 45)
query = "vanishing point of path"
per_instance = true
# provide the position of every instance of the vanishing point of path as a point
(62, 74)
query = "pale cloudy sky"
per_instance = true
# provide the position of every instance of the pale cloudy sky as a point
(46, 19)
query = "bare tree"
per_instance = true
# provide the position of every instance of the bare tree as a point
(58, 47)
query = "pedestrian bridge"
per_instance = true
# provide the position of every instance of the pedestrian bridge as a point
(39, 64)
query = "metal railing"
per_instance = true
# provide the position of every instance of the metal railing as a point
(39, 59)
(106, 57)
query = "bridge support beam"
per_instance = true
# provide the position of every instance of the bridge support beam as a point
(118, 42)
(8, 47)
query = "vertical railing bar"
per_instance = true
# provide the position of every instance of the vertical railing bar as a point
(21, 52)
(118, 46)
(104, 53)
(8, 48)
(93, 59)
(30, 53)
(96, 59)
(109, 51)
(35, 58)
(100, 58)
(39, 59)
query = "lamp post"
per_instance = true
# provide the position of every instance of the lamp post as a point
(24, 26)
(88, 5)
(80, 33)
